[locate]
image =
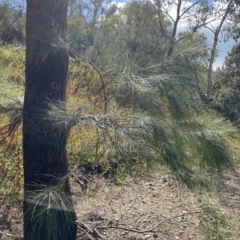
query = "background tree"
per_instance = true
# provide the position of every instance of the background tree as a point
(222, 9)
(131, 33)
(226, 88)
(78, 34)
(176, 12)
(199, 14)
(12, 20)
(90, 10)
(48, 211)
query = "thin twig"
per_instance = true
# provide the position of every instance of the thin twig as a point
(148, 230)
(75, 53)
(94, 231)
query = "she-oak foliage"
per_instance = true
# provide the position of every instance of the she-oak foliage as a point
(160, 93)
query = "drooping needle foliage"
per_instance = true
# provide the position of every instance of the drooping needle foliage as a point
(155, 115)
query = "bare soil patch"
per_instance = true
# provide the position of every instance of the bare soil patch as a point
(150, 209)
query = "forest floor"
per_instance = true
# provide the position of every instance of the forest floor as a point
(146, 208)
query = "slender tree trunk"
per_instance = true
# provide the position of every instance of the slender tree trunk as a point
(210, 66)
(213, 50)
(160, 18)
(6, 35)
(173, 38)
(97, 5)
(45, 160)
(175, 26)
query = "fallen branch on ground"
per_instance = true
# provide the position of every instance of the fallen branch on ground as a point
(95, 231)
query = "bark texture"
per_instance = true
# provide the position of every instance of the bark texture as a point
(45, 159)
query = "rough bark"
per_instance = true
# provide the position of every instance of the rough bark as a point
(45, 159)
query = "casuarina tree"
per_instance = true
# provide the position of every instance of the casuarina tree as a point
(48, 210)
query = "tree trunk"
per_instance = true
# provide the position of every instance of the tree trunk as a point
(173, 38)
(46, 185)
(214, 48)
(175, 26)
(210, 66)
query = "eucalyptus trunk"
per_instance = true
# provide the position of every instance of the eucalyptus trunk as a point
(45, 158)
(214, 49)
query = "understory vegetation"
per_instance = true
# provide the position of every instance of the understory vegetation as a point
(146, 120)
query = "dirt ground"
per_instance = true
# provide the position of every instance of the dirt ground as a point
(150, 209)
